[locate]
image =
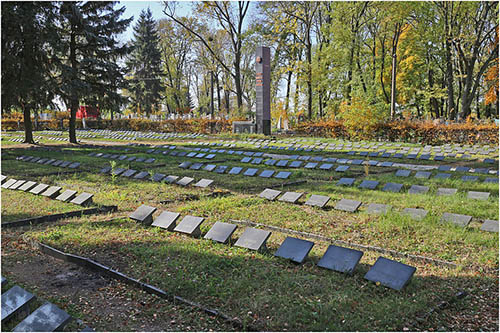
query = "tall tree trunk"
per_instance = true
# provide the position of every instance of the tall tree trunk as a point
(217, 84)
(449, 61)
(28, 130)
(237, 81)
(297, 87)
(433, 103)
(382, 69)
(74, 97)
(309, 77)
(288, 84)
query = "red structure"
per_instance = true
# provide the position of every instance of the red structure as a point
(87, 112)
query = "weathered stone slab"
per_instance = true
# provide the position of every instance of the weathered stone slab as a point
(402, 173)
(446, 191)
(143, 214)
(185, 181)
(170, 179)
(9, 183)
(415, 213)
(83, 199)
(342, 168)
(66, 195)
(348, 205)
(294, 249)
(157, 177)
(282, 175)
(369, 184)
(418, 189)
(340, 259)
(253, 239)
(47, 318)
(14, 300)
(375, 208)
(317, 200)
(190, 225)
(478, 195)
(423, 174)
(27, 186)
(204, 183)
(345, 181)
(221, 232)
(166, 220)
(458, 219)
(490, 225)
(291, 197)
(392, 187)
(390, 273)
(235, 171)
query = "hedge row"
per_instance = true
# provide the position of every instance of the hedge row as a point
(409, 131)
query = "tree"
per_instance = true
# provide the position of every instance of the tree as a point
(144, 65)
(28, 38)
(89, 52)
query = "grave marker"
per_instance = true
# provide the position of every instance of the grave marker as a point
(209, 167)
(460, 220)
(128, 173)
(490, 225)
(345, 181)
(418, 189)
(166, 220)
(446, 191)
(253, 239)
(390, 273)
(143, 214)
(185, 165)
(423, 174)
(47, 318)
(269, 194)
(348, 205)
(221, 232)
(185, 181)
(415, 213)
(15, 300)
(478, 195)
(392, 187)
(190, 225)
(340, 259)
(282, 175)
(196, 166)
(157, 177)
(203, 183)
(291, 197)
(38, 189)
(369, 184)
(442, 176)
(221, 169)
(9, 183)
(17, 184)
(375, 208)
(294, 249)
(235, 171)
(27, 186)
(317, 200)
(470, 178)
(250, 172)
(66, 195)
(83, 199)
(142, 175)
(402, 173)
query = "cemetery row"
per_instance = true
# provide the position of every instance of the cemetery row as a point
(387, 272)
(352, 206)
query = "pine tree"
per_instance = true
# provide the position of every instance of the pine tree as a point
(28, 36)
(89, 53)
(144, 65)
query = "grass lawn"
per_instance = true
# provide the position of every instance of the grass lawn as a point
(264, 291)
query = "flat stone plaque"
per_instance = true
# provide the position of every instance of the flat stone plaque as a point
(17, 184)
(39, 188)
(66, 195)
(342, 168)
(142, 175)
(65, 164)
(269, 194)
(13, 300)
(47, 318)
(220, 232)
(130, 159)
(157, 177)
(446, 191)
(210, 156)
(317, 200)
(390, 273)
(27, 186)
(190, 225)
(348, 205)
(51, 192)
(418, 189)
(266, 174)
(423, 174)
(442, 176)
(9, 183)
(291, 197)
(369, 184)
(250, 172)
(246, 160)
(294, 249)
(166, 220)
(196, 166)
(375, 208)
(185, 165)
(257, 160)
(235, 171)
(444, 168)
(117, 171)
(490, 225)
(295, 164)
(470, 178)
(282, 175)
(402, 173)
(270, 162)
(3, 178)
(462, 169)
(460, 220)
(143, 214)
(221, 169)
(392, 187)
(340, 259)
(170, 179)
(439, 158)
(345, 181)
(74, 165)
(415, 213)
(326, 166)
(191, 154)
(282, 163)
(478, 195)
(491, 180)
(310, 165)
(253, 239)
(204, 183)
(83, 199)
(209, 167)
(105, 170)
(128, 173)
(185, 181)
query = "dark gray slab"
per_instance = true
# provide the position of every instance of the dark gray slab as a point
(83, 199)
(446, 191)
(418, 189)
(246, 160)
(369, 184)
(282, 163)
(342, 168)
(235, 171)
(345, 181)
(250, 172)
(291, 197)
(283, 174)
(390, 273)
(257, 160)
(128, 173)
(3, 178)
(170, 179)
(131, 158)
(39, 188)
(65, 164)
(185, 165)
(221, 232)
(348, 205)
(470, 178)
(47, 318)
(478, 195)
(143, 214)
(317, 200)
(157, 177)
(17, 184)
(270, 162)
(490, 225)
(210, 156)
(51, 192)
(253, 239)
(14, 300)
(295, 164)
(444, 168)
(442, 176)
(196, 166)
(74, 165)
(117, 171)
(294, 249)
(340, 259)
(269, 194)
(27, 186)
(326, 166)
(460, 220)
(185, 181)
(190, 225)
(491, 180)
(66, 195)
(462, 169)
(142, 175)
(209, 167)
(415, 213)
(204, 183)
(403, 173)
(266, 174)
(191, 154)
(105, 170)
(166, 220)
(9, 183)
(423, 174)
(221, 169)
(392, 187)
(375, 208)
